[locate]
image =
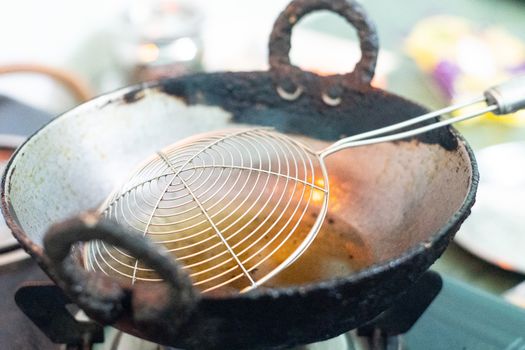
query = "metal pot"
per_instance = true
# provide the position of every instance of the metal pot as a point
(399, 203)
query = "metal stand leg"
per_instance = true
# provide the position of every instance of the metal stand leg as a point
(45, 304)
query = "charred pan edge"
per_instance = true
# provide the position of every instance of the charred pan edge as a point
(251, 98)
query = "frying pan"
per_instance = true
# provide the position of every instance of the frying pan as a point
(394, 206)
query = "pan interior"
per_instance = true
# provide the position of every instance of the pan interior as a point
(384, 198)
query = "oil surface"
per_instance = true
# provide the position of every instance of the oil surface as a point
(337, 251)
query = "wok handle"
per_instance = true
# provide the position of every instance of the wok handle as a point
(107, 299)
(289, 78)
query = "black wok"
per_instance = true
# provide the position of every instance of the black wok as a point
(395, 206)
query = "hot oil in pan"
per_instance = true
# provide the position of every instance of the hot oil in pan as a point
(338, 250)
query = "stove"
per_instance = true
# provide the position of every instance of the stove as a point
(460, 317)
(437, 313)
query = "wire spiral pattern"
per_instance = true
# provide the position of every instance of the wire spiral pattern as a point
(230, 206)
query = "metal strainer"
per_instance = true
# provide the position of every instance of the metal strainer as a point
(235, 207)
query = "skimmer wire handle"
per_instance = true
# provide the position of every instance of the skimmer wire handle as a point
(289, 79)
(504, 98)
(105, 298)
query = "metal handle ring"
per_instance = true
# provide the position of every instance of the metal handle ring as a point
(287, 77)
(105, 298)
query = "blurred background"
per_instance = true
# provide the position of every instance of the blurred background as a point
(57, 53)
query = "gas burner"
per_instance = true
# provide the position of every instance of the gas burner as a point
(493, 323)
(38, 300)
(118, 340)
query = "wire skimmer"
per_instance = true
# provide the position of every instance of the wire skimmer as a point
(235, 207)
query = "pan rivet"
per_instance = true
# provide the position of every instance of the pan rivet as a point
(285, 95)
(330, 101)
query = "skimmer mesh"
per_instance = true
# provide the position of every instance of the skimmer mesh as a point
(230, 206)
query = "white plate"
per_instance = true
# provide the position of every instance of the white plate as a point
(495, 231)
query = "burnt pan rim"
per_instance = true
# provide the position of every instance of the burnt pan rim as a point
(133, 93)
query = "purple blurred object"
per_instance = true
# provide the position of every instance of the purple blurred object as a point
(445, 74)
(518, 69)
